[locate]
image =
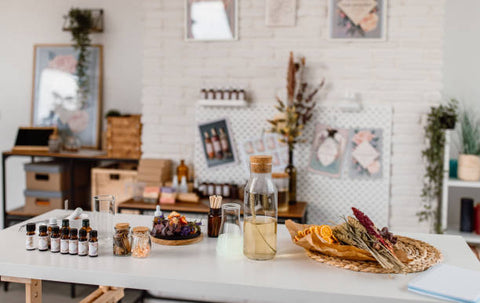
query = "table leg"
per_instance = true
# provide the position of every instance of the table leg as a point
(33, 288)
(4, 190)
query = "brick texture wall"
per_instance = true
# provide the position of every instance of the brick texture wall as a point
(405, 71)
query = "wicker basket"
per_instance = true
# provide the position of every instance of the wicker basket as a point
(123, 137)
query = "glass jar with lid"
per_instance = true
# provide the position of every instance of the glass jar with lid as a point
(121, 240)
(141, 243)
(260, 211)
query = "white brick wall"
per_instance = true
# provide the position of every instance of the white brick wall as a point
(403, 71)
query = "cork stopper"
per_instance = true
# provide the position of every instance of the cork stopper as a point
(140, 229)
(54, 135)
(122, 226)
(261, 164)
(279, 175)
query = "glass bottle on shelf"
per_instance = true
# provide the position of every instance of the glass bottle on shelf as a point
(182, 171)
(260, 211)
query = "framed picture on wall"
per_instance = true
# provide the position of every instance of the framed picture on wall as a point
(55, 93)
(217, 143)
(211, 20)
(357, 20)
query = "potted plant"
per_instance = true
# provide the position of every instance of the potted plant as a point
(439, 118)
(294, 115)
(469, 158)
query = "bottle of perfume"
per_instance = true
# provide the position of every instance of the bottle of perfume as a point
(208, 146)
(217, 148)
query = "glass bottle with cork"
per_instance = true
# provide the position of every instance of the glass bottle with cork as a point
(260, 211)
(30, 240)
(82, 242)
(42, 238)
(55, 240)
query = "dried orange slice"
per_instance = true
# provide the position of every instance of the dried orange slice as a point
(326, 232)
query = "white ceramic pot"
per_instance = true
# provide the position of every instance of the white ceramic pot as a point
(468, 168)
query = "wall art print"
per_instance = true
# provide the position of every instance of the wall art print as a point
(268, 144)
(357, 19)
(328, 150)
(365, 153)
(55, 100)
(217, 143)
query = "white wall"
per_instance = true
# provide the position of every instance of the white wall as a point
(461, 75)
(27, 22)
(405, 71)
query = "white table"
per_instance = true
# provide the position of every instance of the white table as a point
(196, 271)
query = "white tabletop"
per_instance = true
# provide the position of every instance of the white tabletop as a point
(195, 270)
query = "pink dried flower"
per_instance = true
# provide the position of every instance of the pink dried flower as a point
(370, 227)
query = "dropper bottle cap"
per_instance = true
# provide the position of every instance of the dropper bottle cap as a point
(158, 212)
(52, 221)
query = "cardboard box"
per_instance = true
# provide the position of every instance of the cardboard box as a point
(37, 201)
(47, 176)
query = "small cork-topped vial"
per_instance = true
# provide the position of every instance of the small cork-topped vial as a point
(141, 243)
(261, 164)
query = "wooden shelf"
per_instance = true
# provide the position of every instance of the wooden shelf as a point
(471, 238)
(460, 183)
(296, 211)
(223, 103)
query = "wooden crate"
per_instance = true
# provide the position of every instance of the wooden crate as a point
(124, 137)
(113, 181)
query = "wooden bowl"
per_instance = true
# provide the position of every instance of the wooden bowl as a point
(177, 242)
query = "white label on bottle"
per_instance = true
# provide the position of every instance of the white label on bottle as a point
(64, 246)
(55, 245)
(209, 148)
(93, 249)
(30, 243)
(83, 248)
(224, 143)
(73, 247)
(43, 243)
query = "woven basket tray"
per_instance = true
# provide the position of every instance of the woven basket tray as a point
(423, 256)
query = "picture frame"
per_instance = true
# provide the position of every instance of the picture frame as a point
(231, 14)
(357, 20)
(217, 143)
(54, 92)
(328, 150)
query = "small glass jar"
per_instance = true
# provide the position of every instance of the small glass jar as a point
(121, 240)
(141, 243)
(214, 221)
(281, 183)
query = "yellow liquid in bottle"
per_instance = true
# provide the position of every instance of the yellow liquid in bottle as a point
(260, 238)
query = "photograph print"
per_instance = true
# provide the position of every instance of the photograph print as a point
(217, 143)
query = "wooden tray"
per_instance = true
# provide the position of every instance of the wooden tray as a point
(177, 242)
(423, 256)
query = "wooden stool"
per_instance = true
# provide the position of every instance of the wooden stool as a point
(105, 294)
(33, 288)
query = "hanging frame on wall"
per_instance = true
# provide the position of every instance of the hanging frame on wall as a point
(357, 20)
(55, 100)
(211, 20)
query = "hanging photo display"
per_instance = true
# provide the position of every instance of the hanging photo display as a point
(217, 143)
(365, 149)
(328, 149)
(266, 145)
(357, 19)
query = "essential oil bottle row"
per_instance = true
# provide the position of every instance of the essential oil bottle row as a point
(65, 240)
